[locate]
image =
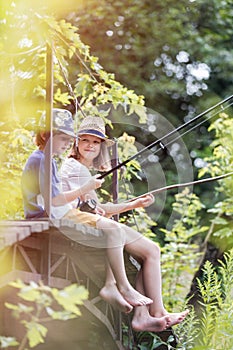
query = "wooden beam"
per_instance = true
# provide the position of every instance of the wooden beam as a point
(27, 277)
(46, 259)
(49, 126)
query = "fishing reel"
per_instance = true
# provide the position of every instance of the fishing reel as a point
(88, 206)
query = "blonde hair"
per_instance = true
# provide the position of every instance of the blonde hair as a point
(101, 163)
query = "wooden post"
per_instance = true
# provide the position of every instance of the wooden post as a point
(115, 177)
(49, 126)
(115, 193)
(46, 258)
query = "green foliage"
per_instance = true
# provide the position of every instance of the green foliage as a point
(146, 40)
(142, 341)
(220, 162)
(127, 149)
(148, 62)
(5, 342)
(188, 331)
(79, 79)
(217, 309)
(211, 327)
(16, 143)
(222, 148)
(152, 341)
(180, 248)
(178, 54)
(139, 219)
(93, 85)
(42, 304)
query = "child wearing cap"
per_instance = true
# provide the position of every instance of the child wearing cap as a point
(33, 189)
(33, 186)
(90, 152)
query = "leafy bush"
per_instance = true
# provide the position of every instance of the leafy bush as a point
(42, 304)
(216, 321)
(16, 145)
(209, 328)
(181, 253)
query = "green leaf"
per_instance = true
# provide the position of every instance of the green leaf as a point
(19, 307)
(17, 284)
(60, 315)
(11, 306)
(36, 333)
(143, 347)
(62, 97)
(219, 221)
(223, 233)
(29, 294)
(140, 111)
(69, 297)
(6, 342)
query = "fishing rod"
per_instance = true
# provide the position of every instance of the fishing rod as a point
(160, 141)
(185, 184)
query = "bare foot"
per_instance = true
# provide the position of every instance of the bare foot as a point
(148, 323)
(111, 295)
(176, 318)
(133, 297)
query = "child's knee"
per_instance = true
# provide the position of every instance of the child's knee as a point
(154, 249)
(107, 224)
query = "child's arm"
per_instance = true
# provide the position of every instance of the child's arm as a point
(69, 196)
(111, 208)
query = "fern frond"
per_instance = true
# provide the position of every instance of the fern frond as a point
(216, 290)
(187, 331)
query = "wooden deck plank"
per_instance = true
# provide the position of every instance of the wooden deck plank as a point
(85, 229)
(35, 225)
(11, 235)
(14, 231)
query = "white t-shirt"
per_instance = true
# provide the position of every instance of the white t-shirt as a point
(73, 174)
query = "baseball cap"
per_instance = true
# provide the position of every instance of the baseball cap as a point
(62, 121)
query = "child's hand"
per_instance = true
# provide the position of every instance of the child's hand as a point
(100, 211)
(92, 184)
(145, 201)
(95, 183)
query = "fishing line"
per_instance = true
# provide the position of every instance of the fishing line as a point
(160, 141)
(179, 185)
(164, 146)
(185, 184)
(195, 126)
(77, 56)
(76, 103)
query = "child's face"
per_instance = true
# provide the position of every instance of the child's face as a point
(89, 146)
(61, 142)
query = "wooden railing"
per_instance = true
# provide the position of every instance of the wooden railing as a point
(59, 252)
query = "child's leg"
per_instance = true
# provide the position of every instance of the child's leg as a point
(111, 294)
(148, 254)
(142, 320)
(115, 237)
(115, 243)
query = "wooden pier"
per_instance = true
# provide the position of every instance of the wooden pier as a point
(58, 253)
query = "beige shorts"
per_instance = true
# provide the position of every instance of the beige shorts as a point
(82, 217)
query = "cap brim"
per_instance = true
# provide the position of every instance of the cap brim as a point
(70, 133)
(98, 134)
